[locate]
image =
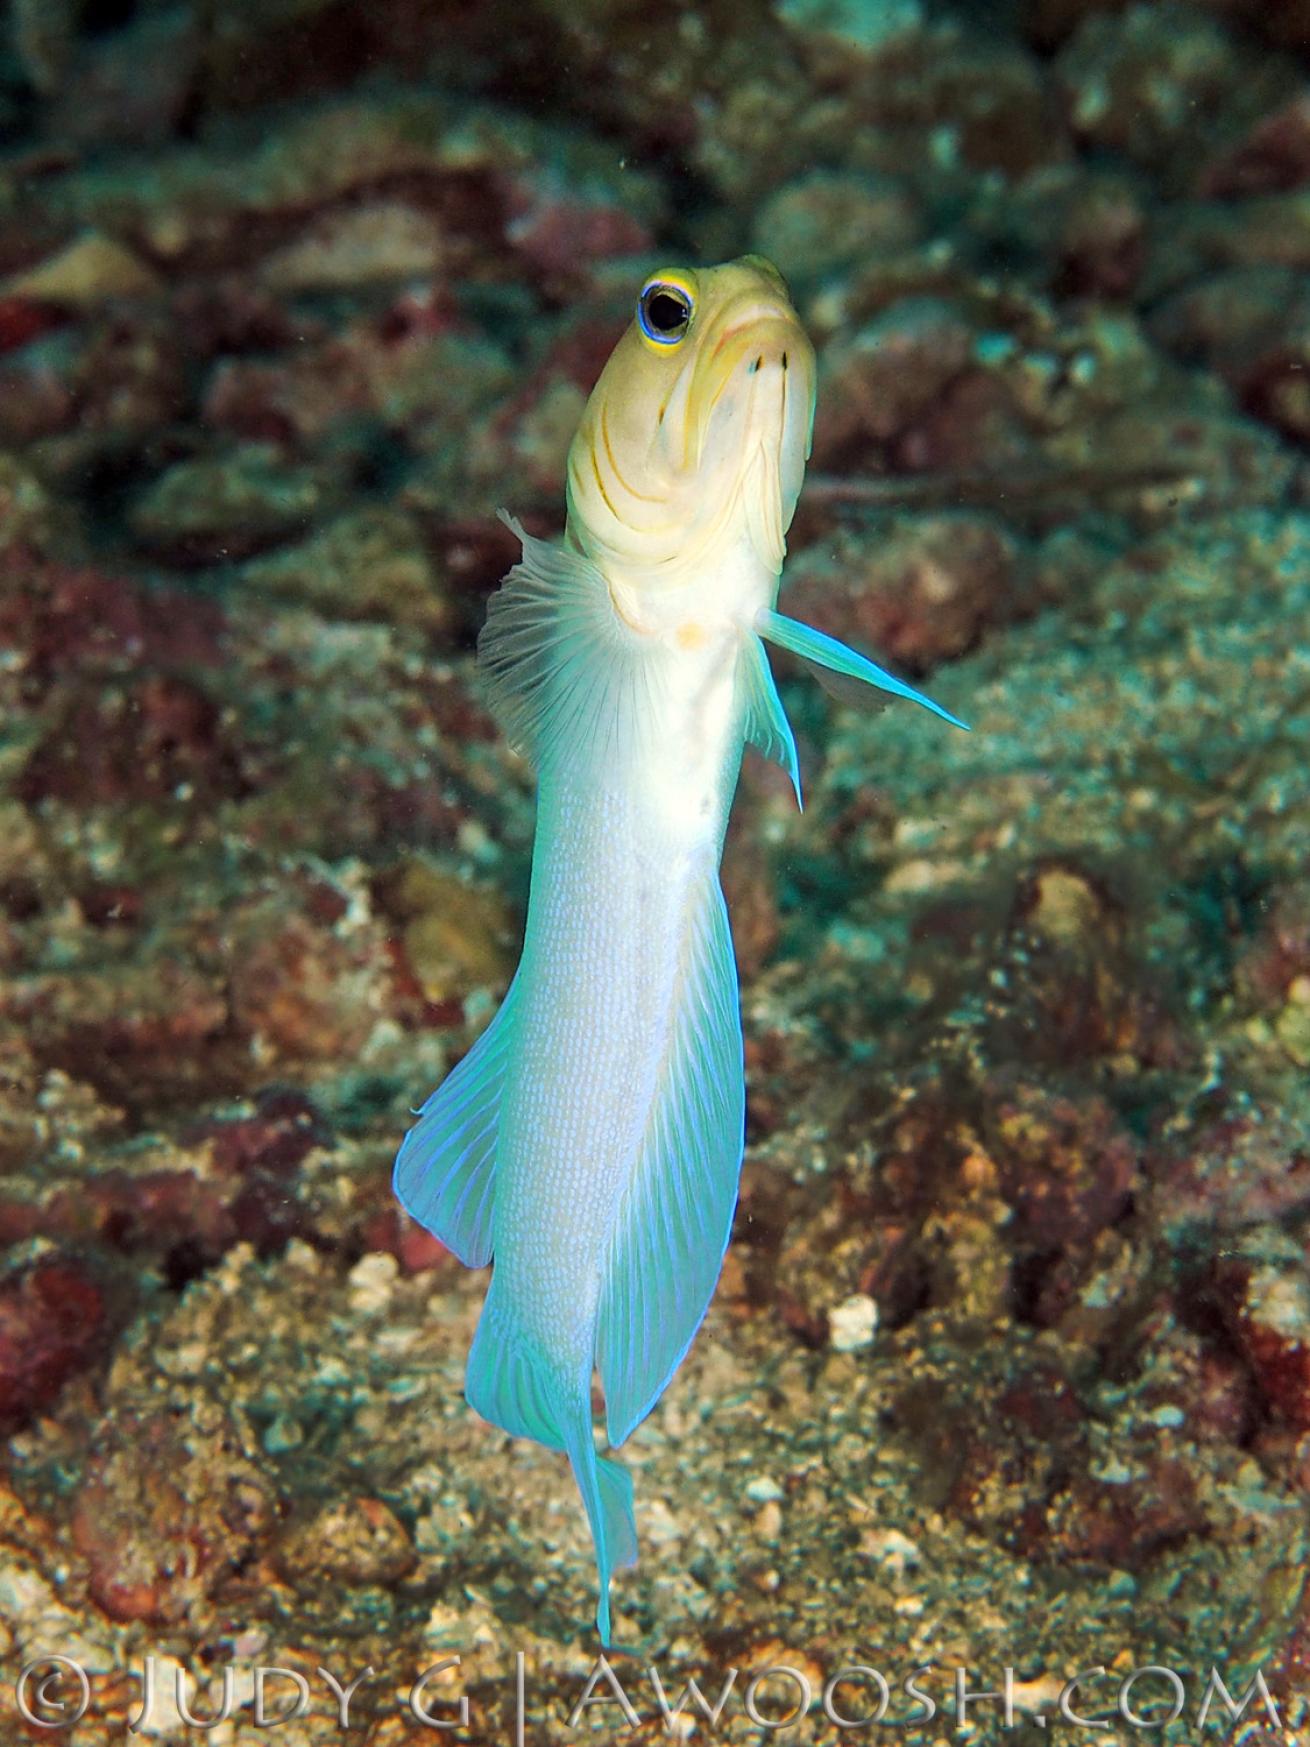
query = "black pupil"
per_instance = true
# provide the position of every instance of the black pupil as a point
(666, 312)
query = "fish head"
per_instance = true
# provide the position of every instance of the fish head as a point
(694, 442)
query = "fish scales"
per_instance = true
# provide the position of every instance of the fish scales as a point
(591, 1040)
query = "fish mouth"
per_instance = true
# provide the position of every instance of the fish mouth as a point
(740, 382)
(756, 339)
(752, 410)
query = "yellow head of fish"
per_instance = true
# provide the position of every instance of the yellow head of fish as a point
(693, 445)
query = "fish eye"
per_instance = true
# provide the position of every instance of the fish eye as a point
(663, 312)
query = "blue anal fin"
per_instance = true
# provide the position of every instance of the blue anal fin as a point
(826, 652)
(675, 1219)
(445, 1169)
(531, 1399)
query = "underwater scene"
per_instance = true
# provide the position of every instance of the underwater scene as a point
(875, 1305)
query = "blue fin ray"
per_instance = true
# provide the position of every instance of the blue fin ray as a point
(676, 1218)
(824, 651)
(767, 726)
(560, 665)
(444, 1175)
(502, 1383)
(531, 1399)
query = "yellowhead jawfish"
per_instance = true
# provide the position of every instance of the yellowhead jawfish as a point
(591, 1141)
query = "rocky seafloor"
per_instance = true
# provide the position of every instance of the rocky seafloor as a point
(1010, 1362)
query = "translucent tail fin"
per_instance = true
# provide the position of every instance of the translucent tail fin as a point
(530, 1399)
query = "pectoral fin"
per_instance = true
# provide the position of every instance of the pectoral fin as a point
(826, 652)
(561, 667)
(767, 726)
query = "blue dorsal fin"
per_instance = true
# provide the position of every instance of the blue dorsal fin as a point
(445, 1170)
(676, 1217)
(826, 652)
(767, 726)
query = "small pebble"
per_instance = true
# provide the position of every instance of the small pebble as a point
(763, 1489)
(372, 1281)
(853, 1323)
(283, 1434)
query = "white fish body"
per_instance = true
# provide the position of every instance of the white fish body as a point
(592, 1140)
